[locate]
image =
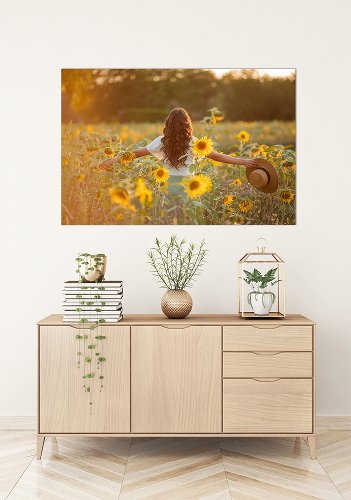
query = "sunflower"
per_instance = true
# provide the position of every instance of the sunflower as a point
(207, 181)
(233, 154)
(260, 150)
(120, 196)
(228, 199)
(126, 157)
(203, 146)
(80, 177)
(161, 174)
(237, 182)
(142, 192)
(216, 118)
(239, 220)
(245, 206)
(197, 185)
(119, 216)
(109, 151)
(243, 136)
(286, 196)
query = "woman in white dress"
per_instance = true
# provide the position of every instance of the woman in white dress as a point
(174, 149)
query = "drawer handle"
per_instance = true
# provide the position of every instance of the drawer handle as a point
(82, 327)
(266, 353)
(267, 327)
(266, 379)
(176, 327)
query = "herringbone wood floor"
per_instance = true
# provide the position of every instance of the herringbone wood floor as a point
(83, 468)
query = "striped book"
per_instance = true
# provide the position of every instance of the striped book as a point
(92, 302)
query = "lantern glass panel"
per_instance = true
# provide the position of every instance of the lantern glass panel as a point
(262, 285)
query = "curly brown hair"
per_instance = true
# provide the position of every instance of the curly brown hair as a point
(177, 134)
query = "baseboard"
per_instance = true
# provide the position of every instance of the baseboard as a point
(30, 423)
(333, 423)
(18, 423)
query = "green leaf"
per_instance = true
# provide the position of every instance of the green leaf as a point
(270, 274)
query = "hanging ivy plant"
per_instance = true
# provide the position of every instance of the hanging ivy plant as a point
(91, 359)
(90, 350)
(91, 267)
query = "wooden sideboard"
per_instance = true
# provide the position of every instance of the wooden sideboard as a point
(205, 375)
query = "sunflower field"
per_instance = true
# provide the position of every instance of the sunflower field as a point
(135, 191)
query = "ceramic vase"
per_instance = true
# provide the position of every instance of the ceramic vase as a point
(261, 303)
(176, 304)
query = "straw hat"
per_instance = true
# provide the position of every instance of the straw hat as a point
(264, 177)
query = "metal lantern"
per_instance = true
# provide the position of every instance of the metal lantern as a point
(261, 284)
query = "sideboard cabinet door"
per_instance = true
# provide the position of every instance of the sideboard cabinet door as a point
(176, 379)
(63, 403)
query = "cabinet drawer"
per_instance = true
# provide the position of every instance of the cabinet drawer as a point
(275, 338)
(267, 364)
(267, 406)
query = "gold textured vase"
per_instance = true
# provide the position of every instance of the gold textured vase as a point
(176, 304)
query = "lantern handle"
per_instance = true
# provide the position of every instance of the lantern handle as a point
(261, 244)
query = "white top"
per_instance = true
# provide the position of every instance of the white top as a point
(155, 149)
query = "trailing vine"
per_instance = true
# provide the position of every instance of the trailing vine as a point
(90, 356)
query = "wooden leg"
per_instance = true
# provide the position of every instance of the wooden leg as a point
(40, 446)
(54, 444)
(312, 445)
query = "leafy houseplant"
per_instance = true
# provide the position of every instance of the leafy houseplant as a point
(260, 299)
(175, 264)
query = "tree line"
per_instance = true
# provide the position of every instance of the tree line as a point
(125, 95)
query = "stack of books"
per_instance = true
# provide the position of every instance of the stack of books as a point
(93, 302)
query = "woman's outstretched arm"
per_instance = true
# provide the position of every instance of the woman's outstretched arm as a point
(107, 165)
(234, 160)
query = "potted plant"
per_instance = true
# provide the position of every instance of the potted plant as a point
(91, 268)
(259, 298)
(176, 266)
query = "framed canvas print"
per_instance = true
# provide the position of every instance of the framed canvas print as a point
(178, 146)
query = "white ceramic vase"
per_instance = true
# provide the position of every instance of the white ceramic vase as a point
(92, 268)
(261, 303)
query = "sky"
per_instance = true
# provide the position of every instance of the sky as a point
(274, 72)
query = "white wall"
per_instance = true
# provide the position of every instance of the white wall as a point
(40, 37)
